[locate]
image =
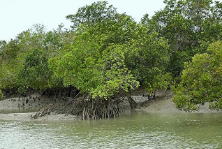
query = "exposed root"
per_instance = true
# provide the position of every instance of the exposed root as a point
(99, 109)
(42, 112)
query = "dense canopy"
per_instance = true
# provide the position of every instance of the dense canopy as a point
(106, 54)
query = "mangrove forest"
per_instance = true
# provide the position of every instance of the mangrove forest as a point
(105, 55)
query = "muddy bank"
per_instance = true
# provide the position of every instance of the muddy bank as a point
(27, 117)
(163, 104)
(24, 107)
(34, 103)
(29, 103)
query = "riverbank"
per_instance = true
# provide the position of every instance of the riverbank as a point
(24, 107)
(27, 117)
(164, 104)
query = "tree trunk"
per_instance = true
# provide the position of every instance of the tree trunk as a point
(132, 103)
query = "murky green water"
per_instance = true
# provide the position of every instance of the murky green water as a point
(138, 130)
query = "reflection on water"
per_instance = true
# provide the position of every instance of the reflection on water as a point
(138, 130)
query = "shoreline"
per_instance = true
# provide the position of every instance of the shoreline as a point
(10, 108)
(27, 117)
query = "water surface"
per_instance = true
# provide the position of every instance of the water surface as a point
(137, 130)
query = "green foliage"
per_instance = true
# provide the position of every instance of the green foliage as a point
(9, 51)
(115, 76)
(107, 53)
(23, 65)
(100, 75)
(201, 80)
(8, 74)
(189, 26)
(1, 95)
(78, 66)
(147, 57)
(96, 61)
(141, 55)
(35, 73)
(106, 26)
(90, 15)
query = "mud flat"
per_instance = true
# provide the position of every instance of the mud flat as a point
(27, 117)
(164, 104)
(23, 108)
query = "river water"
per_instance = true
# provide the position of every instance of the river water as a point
(136, 130)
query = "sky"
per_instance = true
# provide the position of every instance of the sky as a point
(17, 16)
